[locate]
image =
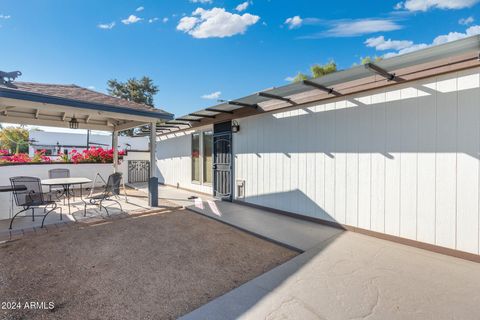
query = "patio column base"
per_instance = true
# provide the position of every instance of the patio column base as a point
(153, 192)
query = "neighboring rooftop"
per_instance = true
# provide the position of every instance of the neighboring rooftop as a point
(74, 92)
(65, 105)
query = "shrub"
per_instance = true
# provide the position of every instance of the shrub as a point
(92, 155)
(40, 157)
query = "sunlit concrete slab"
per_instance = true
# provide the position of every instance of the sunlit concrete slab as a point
(178, 196)
(352, 276)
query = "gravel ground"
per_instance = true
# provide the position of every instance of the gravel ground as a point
(151, 267)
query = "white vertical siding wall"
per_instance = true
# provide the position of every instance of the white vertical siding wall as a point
(174, 164)
(402, 160)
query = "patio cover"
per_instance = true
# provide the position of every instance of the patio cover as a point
(463, 53)
(55, 105)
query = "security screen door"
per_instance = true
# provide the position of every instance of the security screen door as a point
(222, 163)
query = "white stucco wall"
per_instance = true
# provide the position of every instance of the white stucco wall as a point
(174, 163)
(402, 161)
(87, 170)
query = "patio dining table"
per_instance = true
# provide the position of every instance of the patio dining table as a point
(66, 183)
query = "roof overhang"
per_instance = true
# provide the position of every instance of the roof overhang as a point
(21, 107)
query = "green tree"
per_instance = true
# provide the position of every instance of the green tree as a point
(14, 139)
(322, 70)
(317, 71)
(369, 59)
(300, 77)
(140, 91)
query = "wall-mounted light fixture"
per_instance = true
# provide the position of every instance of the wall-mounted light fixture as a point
(73, 123)
(235, 126)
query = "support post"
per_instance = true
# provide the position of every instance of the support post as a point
(115, 151)
(153, 180)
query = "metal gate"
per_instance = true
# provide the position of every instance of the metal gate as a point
(222, 166)
(138, 171)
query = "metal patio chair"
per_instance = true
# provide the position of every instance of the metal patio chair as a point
(59, 173)
(32, 197)
(111, 191)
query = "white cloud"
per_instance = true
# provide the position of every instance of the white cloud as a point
(106, 26)
(398, 6)
(187, 24)
(152, 20)
(452, 36)
(380, 43)
(131, 19)
(424, 5)
(201, 1)
(294, 22)
(466, 21)
(91, 87)
(289, 79)
(5, 17)
(165, 20)
(216, 23)
(413, 48)
(212, 96)
(139, 9)
(242, 6)
(349, 28)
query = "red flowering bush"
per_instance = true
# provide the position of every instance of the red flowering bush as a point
(4, 152)
(95, 155)
(92, 155)
(40, 157)
(63, 157)
(17, 158)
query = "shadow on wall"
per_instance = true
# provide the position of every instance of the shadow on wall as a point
(170, 151)
(158, 173)
(294, 201)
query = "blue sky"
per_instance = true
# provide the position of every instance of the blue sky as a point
(199, 49)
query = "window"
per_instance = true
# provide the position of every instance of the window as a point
(196, 157)
(207, 156)
(202, 157)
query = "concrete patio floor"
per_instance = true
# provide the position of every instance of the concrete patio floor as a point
(23, 224)
(340, 274)
(353, 276)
